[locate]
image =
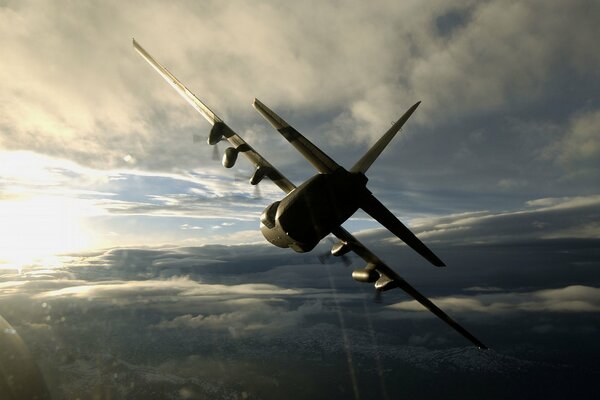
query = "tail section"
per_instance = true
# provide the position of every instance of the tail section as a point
(321, 161)
(370, 156)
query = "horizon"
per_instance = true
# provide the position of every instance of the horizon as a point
(127, 251)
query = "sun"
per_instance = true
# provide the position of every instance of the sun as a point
(33, 229)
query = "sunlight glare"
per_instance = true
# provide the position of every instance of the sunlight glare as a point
(37, 228)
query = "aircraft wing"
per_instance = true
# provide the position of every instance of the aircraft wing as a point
(263, 167)
(321, 161)
(389, 279)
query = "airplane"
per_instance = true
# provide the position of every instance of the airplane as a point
(319, 206)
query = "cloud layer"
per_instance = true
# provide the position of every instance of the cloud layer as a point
(263, 315)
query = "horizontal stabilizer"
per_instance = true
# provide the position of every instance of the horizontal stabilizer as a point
(370, 156)
(378, 211)
(321, 161)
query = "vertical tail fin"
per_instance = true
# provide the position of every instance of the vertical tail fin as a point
(370, 156)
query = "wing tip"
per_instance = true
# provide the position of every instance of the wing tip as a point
(439, 263)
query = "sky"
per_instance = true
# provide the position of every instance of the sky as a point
(113, 206)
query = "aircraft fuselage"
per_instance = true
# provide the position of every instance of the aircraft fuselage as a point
(312, 210)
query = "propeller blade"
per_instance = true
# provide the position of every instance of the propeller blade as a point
(257, 194)
(346, 260)
(324, 257)
(378, 297)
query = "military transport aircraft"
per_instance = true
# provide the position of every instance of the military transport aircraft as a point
(319, 206)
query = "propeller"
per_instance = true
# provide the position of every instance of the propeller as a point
(325, 257)
(216, 154)
(378, 296)
(243, 176)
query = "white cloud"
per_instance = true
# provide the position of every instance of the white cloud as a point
(182, 287)
(570, 299)
(579, 149)
(250, 315)
(547, 218)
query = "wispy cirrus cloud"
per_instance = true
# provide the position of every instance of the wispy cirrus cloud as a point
(184, 287)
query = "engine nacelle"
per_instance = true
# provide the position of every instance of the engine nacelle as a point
(365, 275)
(218, 132)
(267, 218)
(259, 174)
(339, 249)
(274, 232)
(270, 229)
(230, 157)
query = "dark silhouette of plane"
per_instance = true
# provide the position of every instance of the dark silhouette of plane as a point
(319, 206)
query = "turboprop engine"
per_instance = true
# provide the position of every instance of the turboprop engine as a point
(365, 275)
(271, 229)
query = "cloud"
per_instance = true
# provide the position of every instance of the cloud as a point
(547, 218)
(476, 142)
(97, 314)
(191, 206)
(570, 299)
(508, 115)
(357, 65)
(184, 287)
(579, 149)
(475, 64)
(251, 315)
